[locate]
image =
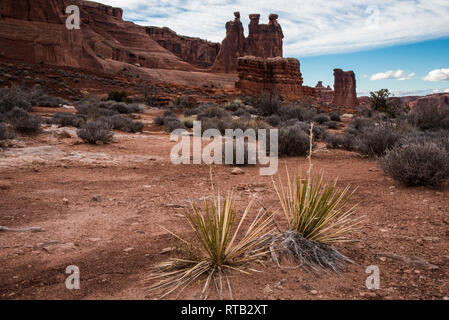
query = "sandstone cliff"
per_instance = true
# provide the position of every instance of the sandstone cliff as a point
(198, 52)
(35, 31)
(280, 75)
(264, 40)
(345, 94)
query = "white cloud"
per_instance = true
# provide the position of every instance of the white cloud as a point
(310, 27)
(437, 75)
(441, 90)
(399, 75)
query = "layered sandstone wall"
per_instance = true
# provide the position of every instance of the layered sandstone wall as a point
(35, 31)
(345, 94)
(196, 51)
(264, 40)
(279, 75)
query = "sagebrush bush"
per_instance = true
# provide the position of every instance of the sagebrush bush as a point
(171, 124)
(298, 112)
(377, 140)
(274, 120)
(121, 123)
(245, 124)
(268, 103)
(23, 122)
(214, 123)
(14, 97)
(214, 112)
(118, 96)
(293, 142)
(334, 116)
(361, 123)
(96, 131)
(428, 116)
(321, 118)
(416, 163)
(65, 119)
(331, 125)
(334, 141)
(5, 132)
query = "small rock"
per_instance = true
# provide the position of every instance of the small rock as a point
(267, 290)
(128, 249)
(445, 298)
(97, 198)
(314, 292)
(383, 230)
(237, 171)
(65, 201)
(383, 259)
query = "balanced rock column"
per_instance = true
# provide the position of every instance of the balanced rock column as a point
(345, 94)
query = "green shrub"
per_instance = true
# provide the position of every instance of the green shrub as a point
(118, 96)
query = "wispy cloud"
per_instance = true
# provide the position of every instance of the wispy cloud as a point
(311, 27)
(398, 75)
(438, 75)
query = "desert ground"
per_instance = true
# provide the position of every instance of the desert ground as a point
(102, 208)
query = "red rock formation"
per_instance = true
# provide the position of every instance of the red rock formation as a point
(345, 89)
(264, 40)
(325, 94)
(35, 31)
(196, 51)
(280, 75)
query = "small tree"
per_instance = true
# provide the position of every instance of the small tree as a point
(379, 100)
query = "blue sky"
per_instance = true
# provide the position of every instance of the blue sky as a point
(402, 45)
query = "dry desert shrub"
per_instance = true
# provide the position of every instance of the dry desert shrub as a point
(96, 131)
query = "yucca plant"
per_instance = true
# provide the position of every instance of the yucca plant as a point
(220, 246)
(317, 217)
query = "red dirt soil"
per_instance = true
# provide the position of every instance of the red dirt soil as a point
(116, 241)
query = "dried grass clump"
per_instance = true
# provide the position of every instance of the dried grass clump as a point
(221, 245)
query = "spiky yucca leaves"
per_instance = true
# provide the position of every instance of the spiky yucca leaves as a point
(220, 245)
(317, 218)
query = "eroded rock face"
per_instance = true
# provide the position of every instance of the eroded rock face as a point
(264, 40)
(324, 94)
(35, 31)
(345, 89)
(280, 75)
(196, 51)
